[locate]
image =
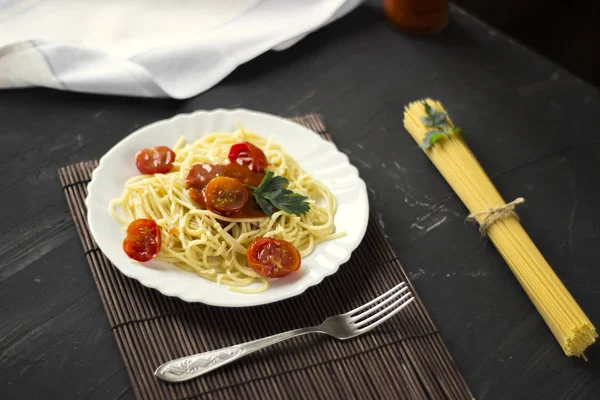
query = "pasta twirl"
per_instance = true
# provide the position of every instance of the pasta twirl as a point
(214, 246)
(452, 157)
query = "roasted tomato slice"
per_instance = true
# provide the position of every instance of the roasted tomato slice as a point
(154, 161)
(273, 258)
(143, 240)
(225, 195)
(245, 153)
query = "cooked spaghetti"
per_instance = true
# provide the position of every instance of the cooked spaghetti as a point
(214, 246)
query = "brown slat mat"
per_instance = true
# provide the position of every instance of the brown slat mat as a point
(403, 358)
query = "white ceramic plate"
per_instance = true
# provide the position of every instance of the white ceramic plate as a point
(315, 155)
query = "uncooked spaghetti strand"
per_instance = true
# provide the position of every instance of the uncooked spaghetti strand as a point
(460, 168)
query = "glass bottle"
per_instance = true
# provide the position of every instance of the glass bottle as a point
(417, 17)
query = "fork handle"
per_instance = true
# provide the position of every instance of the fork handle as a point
(185, 368)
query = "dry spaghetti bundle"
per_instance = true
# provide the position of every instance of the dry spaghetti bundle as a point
(430, 126)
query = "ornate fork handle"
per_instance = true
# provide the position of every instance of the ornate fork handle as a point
(189, 367)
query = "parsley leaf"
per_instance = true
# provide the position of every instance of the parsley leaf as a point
(292, 204)
(439, 121)
(264, 204)
(272, 193)
(272, 183)
(430, 138)
(455, 130)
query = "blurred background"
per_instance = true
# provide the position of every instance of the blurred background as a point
(565, 31)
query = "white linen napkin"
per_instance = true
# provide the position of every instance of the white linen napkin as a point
(148, 48)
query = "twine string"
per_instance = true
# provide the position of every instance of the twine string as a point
(494, 214)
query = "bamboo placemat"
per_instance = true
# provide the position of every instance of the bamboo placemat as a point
(403, 358)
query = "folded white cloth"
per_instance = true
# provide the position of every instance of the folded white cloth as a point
(149, 48)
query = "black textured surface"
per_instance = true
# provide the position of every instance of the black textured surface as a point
(529, 122)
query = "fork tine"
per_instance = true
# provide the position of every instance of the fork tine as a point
(383, 303)
(349, 313)
(390, 315)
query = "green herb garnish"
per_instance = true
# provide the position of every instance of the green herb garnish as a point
(439, 121)
(272, 193)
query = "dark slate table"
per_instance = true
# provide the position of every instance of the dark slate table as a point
(530, 123)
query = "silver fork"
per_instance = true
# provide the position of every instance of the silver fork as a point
(343, 326)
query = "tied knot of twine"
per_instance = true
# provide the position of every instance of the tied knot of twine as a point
(494, 214)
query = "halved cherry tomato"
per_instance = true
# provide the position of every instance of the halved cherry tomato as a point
(143, 240)
(273, 258)
(200, 174)
(153, 161)
(224, 194)
(245, 153)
